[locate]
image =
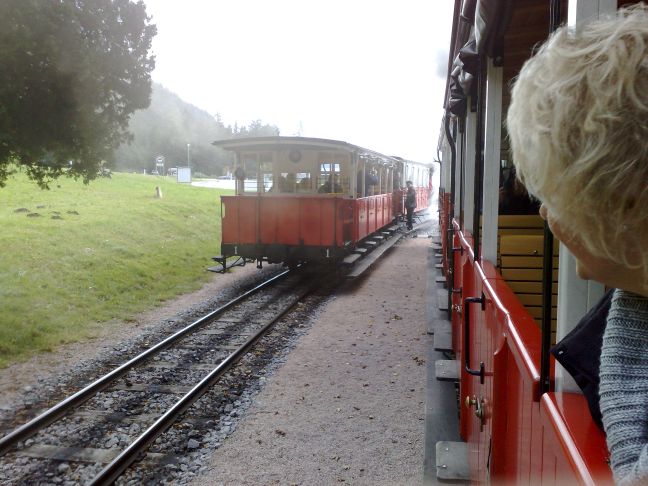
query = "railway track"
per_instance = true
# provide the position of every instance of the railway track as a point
(145, 421)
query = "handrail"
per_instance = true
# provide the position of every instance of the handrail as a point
(466, 351)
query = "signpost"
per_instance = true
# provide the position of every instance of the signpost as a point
(159, 164)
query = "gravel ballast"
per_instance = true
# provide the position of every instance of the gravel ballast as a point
(348, 404)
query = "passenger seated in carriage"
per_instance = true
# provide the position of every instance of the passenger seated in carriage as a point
(578, 130)
(514, 198)
(330, 186)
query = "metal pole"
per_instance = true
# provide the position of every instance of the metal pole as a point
(547, 260)
(188, 155)
(479, 159)
(449, 228)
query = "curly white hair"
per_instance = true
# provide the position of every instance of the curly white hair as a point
(578, 126)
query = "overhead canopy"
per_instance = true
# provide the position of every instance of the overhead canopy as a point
(479, 23)
(488, 20)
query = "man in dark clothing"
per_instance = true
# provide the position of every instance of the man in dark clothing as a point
(410, 203)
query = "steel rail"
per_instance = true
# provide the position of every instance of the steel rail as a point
(129, 455)
(80, 397)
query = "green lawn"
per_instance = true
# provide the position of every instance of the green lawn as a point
(115, 251)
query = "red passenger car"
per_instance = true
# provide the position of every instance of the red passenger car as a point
(307, 199)
(512, 291)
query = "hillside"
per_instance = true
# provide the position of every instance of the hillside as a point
(80, 256)
(168, 125)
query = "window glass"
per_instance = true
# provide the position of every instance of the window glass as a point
(304, 182)
(267, 179)
(287, 182)
(250, 166)
(328, 180)
(333, 173)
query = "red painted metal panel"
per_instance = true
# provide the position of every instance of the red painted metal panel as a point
(371, 216)
(327, 221)
(310, 221)
(287, 220)
(572, 441)
(230, 220)
(378, 215)
(268, 220)
(344, 221)
(362, 216)
(240, 226)
(499, 336)
(507, 340)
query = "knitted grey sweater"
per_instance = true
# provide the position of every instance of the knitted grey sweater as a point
(624, 387)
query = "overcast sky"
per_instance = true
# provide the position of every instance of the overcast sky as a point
(363, 71)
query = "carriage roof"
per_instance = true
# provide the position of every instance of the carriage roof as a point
(279, 142)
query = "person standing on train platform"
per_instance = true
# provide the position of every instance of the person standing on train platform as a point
(578, 125)
(410, 203)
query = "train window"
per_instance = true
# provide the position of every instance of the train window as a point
(328, 180)
(304, 182)
(251, 167)
(287, 182)
(333, 175)
(372, 179)
(267, 177)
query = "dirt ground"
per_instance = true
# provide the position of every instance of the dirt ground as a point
(348, 405)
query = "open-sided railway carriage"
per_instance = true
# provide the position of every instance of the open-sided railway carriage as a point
(512, 291)
(309, 199)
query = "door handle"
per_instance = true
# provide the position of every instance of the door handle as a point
(466, 351)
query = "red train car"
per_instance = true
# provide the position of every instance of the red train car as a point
(512, 292)
(308, 199)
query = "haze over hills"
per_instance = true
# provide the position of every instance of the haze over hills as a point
(169, 124)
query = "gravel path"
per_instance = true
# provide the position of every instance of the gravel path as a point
(348, 404)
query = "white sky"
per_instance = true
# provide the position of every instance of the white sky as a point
(362, 71)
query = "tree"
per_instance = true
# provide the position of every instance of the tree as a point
(72, 73)
(256, 129)
(165, 128)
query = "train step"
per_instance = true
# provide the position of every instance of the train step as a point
(360, 250)
(446, 370)
(442, 299)
(371, 258)
(370, 244)
(225, 264)
(452, 461)
(443, 337)
(351, 259)
(378, 237)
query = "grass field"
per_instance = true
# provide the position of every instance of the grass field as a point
(96, 253)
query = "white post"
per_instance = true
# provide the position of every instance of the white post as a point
(576, 296)
(469, 176)
(492, 144)
(580, 11)
(456, 190)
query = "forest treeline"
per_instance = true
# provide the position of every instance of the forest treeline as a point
(169, 124)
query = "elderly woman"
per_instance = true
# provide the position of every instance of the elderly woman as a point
(578, 124)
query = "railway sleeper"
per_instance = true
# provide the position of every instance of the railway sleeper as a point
(84, 454)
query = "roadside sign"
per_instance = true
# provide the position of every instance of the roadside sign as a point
(184, 174)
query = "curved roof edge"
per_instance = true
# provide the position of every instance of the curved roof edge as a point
(274, 142)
